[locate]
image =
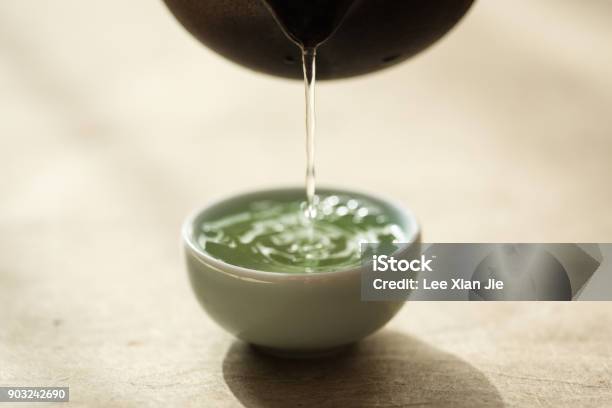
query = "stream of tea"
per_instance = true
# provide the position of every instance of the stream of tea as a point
(308, 24)
(309, 63)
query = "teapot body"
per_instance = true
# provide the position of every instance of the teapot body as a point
(375, 34)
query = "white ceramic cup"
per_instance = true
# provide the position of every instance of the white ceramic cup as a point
(288, 313)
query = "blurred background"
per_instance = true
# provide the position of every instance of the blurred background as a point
(115, 123)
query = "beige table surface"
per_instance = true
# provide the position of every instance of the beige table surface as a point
(114, 124)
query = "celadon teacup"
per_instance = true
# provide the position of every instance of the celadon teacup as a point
(289, 314)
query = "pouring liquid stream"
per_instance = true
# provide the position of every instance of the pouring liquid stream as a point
(308, 24)
(309, 58)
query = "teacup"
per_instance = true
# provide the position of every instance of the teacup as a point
(290, 314)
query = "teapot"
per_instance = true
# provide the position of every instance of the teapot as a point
(361, 36)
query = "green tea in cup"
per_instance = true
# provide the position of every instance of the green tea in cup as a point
(278, 234)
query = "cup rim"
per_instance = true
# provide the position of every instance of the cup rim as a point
(188, 239)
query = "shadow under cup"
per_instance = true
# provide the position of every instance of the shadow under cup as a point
(288, 313)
